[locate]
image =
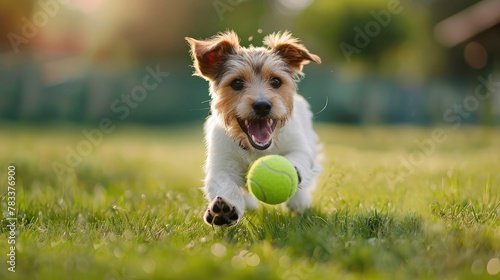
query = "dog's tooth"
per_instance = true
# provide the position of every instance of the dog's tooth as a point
(246, 122)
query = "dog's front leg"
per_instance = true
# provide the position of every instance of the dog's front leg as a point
(226, 202)
(307, 170)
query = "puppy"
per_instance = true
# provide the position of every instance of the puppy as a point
(255, 111)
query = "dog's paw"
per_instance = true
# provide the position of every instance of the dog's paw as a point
(220, 213)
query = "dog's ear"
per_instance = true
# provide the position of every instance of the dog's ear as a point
(288, 47)
(209, 55)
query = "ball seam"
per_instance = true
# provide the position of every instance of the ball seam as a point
(277, 171)
(261, 191)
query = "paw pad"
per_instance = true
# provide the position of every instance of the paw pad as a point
(220, 213)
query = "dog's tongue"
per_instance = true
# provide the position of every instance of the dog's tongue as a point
(260, 131)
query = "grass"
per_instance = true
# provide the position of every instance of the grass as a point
(132, 209)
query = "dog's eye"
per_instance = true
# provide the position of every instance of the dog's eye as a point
(275, 82)
(237, 84)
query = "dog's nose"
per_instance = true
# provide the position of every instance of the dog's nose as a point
(262, 108)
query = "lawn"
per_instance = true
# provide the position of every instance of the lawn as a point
(393, 202)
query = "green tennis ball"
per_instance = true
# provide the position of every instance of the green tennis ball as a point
(272, 179)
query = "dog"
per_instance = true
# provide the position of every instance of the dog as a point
(254, 111)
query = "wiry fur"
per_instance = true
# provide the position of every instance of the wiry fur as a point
(221, 60)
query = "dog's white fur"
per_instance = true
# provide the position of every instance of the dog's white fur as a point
(229, 153)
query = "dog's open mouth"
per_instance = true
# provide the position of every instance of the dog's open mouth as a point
(259, 131)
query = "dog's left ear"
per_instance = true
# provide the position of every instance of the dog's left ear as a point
(288, 47)
(209, 55)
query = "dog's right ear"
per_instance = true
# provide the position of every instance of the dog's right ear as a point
(209, 55)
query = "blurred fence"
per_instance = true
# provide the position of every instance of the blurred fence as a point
(76, 92)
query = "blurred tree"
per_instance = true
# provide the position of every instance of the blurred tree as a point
(387, 37)
(11, 14)
(242, 16)
(453, 58)
(354, 31)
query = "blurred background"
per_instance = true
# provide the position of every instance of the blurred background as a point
(384, 61)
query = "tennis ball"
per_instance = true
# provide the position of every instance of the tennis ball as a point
(272, 179)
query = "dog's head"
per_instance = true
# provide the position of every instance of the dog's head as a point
(252, 89)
